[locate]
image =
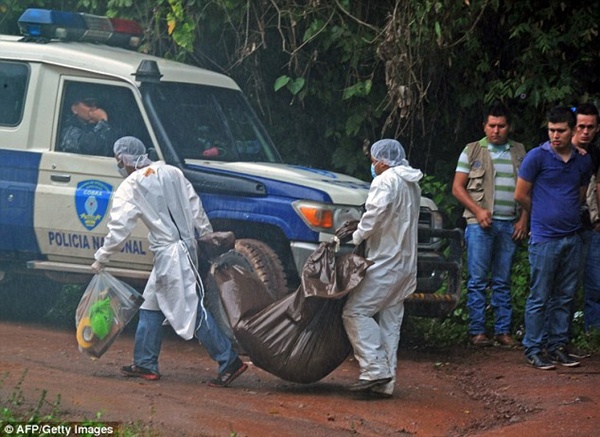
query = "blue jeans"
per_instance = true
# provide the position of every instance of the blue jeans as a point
(490, 252)
(591, 281)
(554, 271)
(149, 335)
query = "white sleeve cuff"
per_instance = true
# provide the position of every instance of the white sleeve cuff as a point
(356, 238)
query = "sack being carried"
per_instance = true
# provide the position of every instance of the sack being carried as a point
(300, 338)
(105, 308)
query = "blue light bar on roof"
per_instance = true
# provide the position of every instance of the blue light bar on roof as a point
(45, 24)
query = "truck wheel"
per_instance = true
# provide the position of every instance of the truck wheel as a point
(266, 264)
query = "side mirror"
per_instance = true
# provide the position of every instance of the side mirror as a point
(152, 154)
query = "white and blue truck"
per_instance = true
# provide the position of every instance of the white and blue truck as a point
(54, 204)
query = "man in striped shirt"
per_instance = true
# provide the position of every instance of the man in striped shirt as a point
(484, 184)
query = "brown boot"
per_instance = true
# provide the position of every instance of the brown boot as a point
(481, 340)
(506, 340)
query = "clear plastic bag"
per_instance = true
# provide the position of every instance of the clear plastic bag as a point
(105, 308)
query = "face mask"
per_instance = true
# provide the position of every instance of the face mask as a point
(123, 171)
(137, 161)
(373, 171)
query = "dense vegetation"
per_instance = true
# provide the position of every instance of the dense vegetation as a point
(328, 76)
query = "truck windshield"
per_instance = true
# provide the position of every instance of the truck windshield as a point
(211, 123)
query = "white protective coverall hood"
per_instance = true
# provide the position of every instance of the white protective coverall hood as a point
(165, 201)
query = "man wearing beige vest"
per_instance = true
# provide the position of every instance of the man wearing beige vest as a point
(484, 184)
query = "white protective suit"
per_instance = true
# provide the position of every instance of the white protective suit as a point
(389, 227)
(165, 201)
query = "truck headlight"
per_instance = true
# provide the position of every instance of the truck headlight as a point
(325, 217)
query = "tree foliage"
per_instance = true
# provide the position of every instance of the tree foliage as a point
(329, 76)
(326, 76)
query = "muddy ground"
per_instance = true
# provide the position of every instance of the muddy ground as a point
(489, 392)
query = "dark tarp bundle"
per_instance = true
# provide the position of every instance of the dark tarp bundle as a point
(300, 338)
(213, 244)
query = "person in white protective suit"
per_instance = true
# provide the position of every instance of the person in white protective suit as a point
(373, 313)
(164, 200)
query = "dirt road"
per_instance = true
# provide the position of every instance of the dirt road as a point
(487, 392)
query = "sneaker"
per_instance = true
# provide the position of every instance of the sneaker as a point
(576, 353)
(367, 384)
(139, 372)
(561, 357)
(540, 362)
(227, 377)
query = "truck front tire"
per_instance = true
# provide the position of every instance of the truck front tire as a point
(256, 257)
(266, 264)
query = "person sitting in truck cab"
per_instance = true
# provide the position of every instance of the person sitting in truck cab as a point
(86, 129)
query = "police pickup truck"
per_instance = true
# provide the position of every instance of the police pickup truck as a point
(54, 200)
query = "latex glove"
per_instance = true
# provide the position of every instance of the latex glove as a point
(97, 267)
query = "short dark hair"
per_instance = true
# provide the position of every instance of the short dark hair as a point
(497, 109)
(80, 92)
(561, 114)
(88, 101)
(587, 109)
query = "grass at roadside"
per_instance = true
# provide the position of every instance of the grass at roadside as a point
(19, 414)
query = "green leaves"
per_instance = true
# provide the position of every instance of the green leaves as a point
(359, 89)
(180, 25)
(313, 29)
(440, 192)
(422, 70)
(120, 3)
(294, 86)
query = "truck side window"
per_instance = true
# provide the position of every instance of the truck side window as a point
(93, 116)
(13, 85)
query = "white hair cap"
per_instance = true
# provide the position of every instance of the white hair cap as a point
(390, 152)
(132, 152)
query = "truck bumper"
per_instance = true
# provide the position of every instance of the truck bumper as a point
(300, 252)
(439, 272)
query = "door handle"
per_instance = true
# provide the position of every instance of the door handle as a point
(61, 177)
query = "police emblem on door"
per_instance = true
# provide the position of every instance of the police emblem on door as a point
(91, 202)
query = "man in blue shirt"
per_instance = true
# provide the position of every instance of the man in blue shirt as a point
(552, 183)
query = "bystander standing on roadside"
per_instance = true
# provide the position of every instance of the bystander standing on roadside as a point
(484, 183)
(552, 183)
(586, 130)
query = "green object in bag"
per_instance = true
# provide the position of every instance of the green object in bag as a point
(101, 318)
